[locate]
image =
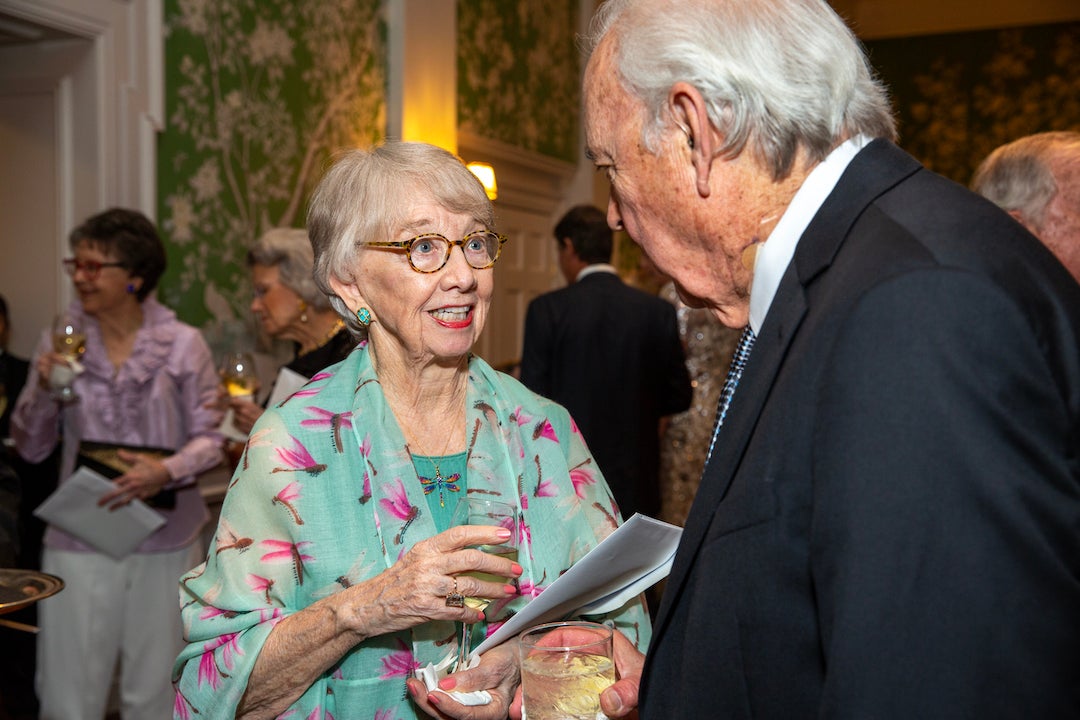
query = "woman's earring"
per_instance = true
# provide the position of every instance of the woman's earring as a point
(303, 311)
(131, 288)
(364, 316)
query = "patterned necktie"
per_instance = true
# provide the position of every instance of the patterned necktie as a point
(738, 362)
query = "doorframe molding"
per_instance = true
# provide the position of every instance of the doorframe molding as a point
(109, 99)
(123, 78)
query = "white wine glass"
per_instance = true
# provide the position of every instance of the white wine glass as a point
(69, 340)
(238, 374)
(483, 511)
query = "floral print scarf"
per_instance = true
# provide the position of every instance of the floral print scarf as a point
(326, 496)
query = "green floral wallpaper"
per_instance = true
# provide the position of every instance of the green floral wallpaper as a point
(258, 94)
(519, 73)
(958, 96)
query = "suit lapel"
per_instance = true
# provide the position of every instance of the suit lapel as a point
(746, 405)
(878, 167)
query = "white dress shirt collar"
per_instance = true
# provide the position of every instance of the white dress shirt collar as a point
(774, 255)
(595, 268)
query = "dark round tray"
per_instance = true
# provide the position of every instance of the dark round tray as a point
(19, 588)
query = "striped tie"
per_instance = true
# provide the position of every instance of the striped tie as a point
(738, 362)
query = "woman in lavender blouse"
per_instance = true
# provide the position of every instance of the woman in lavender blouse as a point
(147, 380)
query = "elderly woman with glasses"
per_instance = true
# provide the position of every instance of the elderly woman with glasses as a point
(144, 381)
(289, 306)
(335, 571)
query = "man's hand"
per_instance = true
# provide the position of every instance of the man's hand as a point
(621, 699)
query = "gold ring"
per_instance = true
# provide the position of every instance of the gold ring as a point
(454, 598)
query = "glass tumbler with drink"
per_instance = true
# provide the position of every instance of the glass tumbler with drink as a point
(482, 511)
(564, 668)
(68, 340)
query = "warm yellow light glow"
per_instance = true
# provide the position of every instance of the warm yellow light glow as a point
(486, 174)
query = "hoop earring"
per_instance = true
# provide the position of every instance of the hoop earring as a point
(363, 315)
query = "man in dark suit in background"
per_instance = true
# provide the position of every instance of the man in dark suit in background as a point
(888, 523)
(611, 355)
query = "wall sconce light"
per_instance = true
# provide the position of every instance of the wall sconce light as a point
(486, 175)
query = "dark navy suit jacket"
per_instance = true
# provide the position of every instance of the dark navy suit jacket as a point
(889, 526)
(610, 354)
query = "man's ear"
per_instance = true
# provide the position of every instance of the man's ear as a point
(690, 113)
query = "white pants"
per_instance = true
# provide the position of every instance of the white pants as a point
(110, 611)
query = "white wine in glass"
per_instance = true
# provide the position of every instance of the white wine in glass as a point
(69, 340)
(564, 668)
(238, 374)
(482, 511)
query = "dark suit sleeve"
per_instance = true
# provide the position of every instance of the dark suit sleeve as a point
(944, 543)
(536, 367)
(677, 392)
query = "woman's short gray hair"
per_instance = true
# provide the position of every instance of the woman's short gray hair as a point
(289, 250)
(367, 195)
(1018, 176)
(778, 75)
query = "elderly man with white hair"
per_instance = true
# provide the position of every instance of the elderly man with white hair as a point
(886, 525)
(1037, 180)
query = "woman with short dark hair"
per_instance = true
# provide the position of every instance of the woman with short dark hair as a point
(146, 380)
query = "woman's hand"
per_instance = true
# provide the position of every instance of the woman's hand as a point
(497, 673)
(410, 592)
(413, 590)
(146, 478)
(44, 366)
(245, 413)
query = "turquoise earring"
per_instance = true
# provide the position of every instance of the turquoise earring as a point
(364, 316)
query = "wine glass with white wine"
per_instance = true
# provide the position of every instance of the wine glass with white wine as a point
(69, 340)
(238, 374)
(483, 511)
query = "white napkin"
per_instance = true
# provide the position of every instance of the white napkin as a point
(62, 376)
(430, 675)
